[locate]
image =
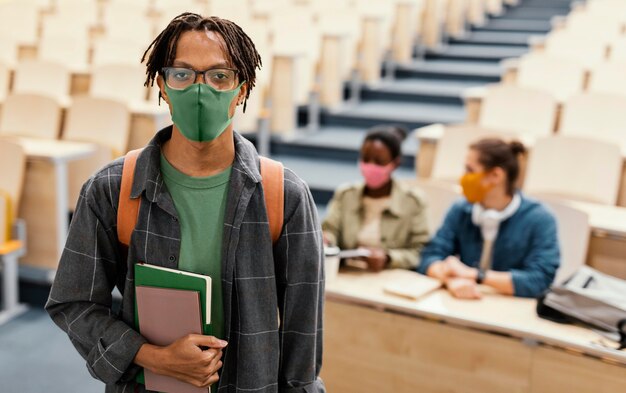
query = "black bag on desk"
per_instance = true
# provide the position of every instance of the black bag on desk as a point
(588, 297)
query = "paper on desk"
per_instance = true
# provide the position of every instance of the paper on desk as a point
(355, 253)
(412, 287)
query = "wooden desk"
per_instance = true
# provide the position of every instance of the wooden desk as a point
(375, 341)
(44, 204)
(146, 119)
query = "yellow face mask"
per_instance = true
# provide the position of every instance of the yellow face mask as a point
(473, 188)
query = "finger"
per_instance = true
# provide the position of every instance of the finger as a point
(207, 341)
(213, 379)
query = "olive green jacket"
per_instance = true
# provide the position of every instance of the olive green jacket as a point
(404, 228)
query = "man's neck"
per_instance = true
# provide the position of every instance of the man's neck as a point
(497, 199)
(200, 159)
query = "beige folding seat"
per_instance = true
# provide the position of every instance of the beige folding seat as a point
(72, 52)
(577, 46)
(43, 77)
(574, 168)
(12, 156)
(341, 22)
(618, 50)
(597, 116)
(559, 77)
(11, 182)
(118, 51)
(609, 77)
(136, 28)
(96, 120)
(87, 11)
(440, 196)
(519, 110)
(120, 82)
(19, 22)
(30, 115)
(8, 51)
(449, 162)
(65, 26)
(574, 232)
(5, 74)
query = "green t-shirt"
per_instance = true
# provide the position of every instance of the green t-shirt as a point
(200, 203)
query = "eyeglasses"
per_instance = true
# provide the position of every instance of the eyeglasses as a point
(221, 79)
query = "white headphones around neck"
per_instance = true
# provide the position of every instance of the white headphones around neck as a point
(489, 219)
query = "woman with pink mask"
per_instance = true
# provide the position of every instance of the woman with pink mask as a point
(380, 215)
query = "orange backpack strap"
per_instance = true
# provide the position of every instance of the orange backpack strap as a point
(273, 175)
(128, 209)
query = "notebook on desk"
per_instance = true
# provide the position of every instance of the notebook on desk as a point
(408, 285)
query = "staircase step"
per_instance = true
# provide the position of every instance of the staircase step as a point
(334, 143)
(487, 72)
(418, 90)
(411, 115)
(479, 53)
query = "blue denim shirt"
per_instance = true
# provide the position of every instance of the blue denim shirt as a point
(527, 245)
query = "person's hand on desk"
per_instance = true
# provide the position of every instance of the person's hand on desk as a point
(463, 288)
(458, 269)
(378, 259)
(185, 359)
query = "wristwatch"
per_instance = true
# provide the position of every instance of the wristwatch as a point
(480, 276)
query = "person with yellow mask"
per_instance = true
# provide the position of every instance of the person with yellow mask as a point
(495, 236)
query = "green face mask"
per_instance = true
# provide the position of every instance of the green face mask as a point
(200, 112)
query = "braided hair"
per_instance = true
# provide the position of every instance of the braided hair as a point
(240, 49)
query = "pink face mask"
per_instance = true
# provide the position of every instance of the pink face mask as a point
(376, 176)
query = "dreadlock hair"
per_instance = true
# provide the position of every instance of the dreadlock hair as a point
(240, 49)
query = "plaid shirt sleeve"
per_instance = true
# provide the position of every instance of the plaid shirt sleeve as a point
(80, 299)
(299, 262)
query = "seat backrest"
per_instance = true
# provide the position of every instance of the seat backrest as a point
(42, 77)
(600, 25)
(98, 120)
(19, 22)
(519, 109)
(5, 74)
(87, 11)
(117, 51)
(595, 115)
(579, 46)
(64, 26)
(31, 115)
(452, 149)
(122, 82)
(574, 168)
(618, 50)
(574, 231)
(609, 77)
(8, 51)
(57, 48)
(13, 159)
(439, 198)
(559, 77)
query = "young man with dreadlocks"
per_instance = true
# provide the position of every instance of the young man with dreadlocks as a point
(202, 210)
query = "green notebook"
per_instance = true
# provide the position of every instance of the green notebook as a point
(163, 277)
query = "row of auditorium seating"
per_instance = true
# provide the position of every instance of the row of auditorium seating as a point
(320, 41)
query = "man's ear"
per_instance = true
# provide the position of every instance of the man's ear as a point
(241, 97)
(161, 84)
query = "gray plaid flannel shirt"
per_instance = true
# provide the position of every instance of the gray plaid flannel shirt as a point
(273, 296)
